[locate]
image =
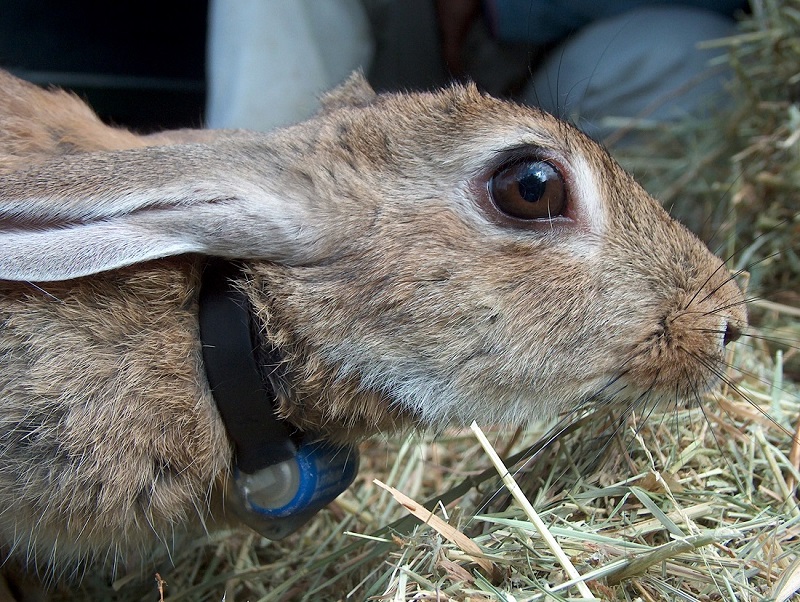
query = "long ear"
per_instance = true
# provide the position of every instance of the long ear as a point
(89, 213)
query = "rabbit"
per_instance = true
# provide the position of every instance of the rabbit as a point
(415, 260)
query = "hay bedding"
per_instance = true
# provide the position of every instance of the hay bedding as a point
(694, 504)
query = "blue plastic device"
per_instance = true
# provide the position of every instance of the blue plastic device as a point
(279, 499)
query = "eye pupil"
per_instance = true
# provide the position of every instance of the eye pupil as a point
(532, 186)
(529, 190)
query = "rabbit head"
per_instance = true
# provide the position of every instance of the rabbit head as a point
(413, 259)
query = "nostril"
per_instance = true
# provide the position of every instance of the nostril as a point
(732, 333)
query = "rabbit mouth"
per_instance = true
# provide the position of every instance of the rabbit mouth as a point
(683, 357)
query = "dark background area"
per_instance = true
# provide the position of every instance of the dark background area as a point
(139, 64)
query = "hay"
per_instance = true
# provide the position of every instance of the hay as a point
(690, 504)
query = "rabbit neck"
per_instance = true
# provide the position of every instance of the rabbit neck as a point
(312, 394)
(282, 477)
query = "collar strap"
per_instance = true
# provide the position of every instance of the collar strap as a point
(243, 398)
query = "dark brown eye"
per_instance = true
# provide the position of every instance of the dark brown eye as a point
(529, 190)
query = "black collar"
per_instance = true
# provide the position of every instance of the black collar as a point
(244, 399)
(271, 459)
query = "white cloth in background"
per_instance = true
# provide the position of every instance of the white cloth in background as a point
(269, 60)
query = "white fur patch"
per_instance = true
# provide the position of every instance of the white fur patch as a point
(587, 193)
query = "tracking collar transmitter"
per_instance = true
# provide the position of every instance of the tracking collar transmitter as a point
(282, 477)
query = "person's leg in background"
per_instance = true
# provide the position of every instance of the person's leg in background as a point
(644, 63)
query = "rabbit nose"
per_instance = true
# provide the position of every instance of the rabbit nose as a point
(732, 333)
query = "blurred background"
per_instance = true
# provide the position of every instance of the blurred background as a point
(140, 64)
(262, 63)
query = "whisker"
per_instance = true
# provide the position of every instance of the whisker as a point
(702, 408)
(788, 343)
(725, 379)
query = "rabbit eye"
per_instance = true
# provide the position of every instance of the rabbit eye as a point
(529, 190)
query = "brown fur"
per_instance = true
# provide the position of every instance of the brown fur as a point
(392, 292)
(37, 123)
(143, 447)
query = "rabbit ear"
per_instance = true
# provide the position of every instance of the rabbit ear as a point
(89, 213)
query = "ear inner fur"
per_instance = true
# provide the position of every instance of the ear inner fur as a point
(80, 223)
